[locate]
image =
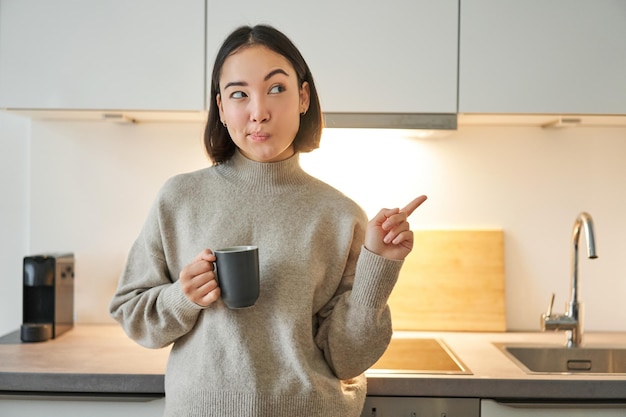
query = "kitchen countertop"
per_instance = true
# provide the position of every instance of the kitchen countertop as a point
(101, 360)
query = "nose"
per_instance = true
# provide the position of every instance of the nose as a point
(259, 110)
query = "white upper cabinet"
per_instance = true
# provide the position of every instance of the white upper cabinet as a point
(537, 56)
(393, 56)
(102, 54)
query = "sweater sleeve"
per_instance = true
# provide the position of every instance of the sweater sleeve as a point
(148, 303)
(355, 327)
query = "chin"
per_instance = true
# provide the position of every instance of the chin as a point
(269, 155)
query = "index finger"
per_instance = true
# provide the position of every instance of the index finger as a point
(410, 208)
(204, 255)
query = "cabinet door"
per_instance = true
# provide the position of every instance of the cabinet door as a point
(365, 55)
(536, 56)
(102, 54)
(62, 406)
(489, 408)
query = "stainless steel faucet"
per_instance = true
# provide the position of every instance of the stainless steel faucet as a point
(572, 320)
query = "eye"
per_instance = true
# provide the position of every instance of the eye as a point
(238, 94)
(276, 89)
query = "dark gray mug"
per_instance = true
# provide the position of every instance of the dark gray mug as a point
(237, 269)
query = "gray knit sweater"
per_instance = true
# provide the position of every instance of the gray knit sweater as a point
(321, 319)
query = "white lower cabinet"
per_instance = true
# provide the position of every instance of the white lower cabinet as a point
(490, 408)
(51, 406)
(420, 407)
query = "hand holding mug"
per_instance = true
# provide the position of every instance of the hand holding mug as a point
(235, 268)
(198, 279)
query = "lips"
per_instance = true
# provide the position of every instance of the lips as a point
(259, 136)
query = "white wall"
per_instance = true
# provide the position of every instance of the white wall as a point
(92, 184)
(14, 143)
(528, 181)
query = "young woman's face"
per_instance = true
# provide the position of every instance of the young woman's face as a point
(260, 102)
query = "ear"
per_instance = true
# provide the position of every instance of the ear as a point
(218, 101)
(305, 97)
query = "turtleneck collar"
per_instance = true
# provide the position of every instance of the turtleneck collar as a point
(264, 177)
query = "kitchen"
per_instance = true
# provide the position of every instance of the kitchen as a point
(73, 180)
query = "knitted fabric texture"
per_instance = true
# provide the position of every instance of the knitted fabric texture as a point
(320, 321)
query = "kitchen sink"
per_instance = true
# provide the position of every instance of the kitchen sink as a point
(543, 359)
(418, 356)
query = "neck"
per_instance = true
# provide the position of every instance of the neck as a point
(252, 176)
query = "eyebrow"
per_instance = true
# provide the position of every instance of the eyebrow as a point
(267, 77)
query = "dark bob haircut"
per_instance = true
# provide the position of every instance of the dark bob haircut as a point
(217, 141)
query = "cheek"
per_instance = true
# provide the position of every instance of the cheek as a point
(289, 109)
(292, 125)
(233, 114)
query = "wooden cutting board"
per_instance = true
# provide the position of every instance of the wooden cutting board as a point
(453, 280)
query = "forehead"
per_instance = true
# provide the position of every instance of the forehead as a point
(253, 62)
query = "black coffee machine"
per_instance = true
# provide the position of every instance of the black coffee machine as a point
(48, 296)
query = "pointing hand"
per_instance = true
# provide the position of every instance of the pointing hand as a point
(389, 234)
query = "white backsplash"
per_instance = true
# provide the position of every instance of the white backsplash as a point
(91, 185)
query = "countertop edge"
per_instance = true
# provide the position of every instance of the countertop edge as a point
(12, 383)
(74, 383)
(499, 389)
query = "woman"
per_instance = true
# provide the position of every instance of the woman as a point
(322, 317)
